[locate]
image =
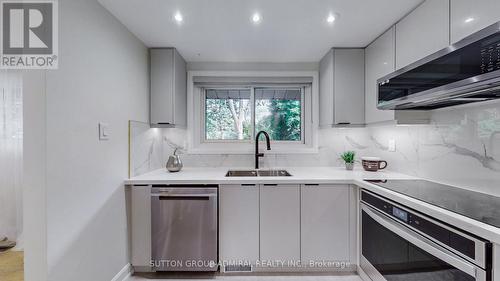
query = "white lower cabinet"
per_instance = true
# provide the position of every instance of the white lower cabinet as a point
(139, 198)
(325, 223)
(239, 223)
(287, 222)
(280, 222)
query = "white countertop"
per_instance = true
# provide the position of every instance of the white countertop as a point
(320, 175)
(299, 175)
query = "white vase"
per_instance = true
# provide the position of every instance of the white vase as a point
(349, 166)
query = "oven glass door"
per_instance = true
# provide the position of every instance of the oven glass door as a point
(391, 249)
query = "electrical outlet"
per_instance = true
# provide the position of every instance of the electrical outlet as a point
(392, 145)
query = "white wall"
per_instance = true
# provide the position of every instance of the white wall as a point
(34, 176)
(102, 77)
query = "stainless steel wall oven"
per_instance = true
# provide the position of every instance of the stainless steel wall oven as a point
(398, 243)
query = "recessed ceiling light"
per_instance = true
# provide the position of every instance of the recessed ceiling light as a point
(470, 19)
(178, 17)
(331, 18)
(256, 18)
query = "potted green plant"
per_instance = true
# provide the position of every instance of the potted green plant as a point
(348, 157)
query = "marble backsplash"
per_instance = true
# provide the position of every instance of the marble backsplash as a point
(461, 147)
(145, 148)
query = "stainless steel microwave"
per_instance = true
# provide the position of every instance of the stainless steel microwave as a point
(465, 72)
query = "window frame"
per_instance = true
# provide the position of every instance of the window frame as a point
(196, 142)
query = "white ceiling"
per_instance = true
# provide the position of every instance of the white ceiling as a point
(290, 30)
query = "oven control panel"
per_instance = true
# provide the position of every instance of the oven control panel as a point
(490, 57)
(400, 214)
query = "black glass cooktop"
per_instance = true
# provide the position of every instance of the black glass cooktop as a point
(475, 205)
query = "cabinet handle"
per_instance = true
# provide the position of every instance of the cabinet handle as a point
(269, 184)
(247, 184)
(311, 184)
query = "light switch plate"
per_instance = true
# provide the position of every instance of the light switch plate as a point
(103, 131)
(392, 145)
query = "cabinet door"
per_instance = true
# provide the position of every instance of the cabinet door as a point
(349, 86)
(140, 227)
(280, 222)
(326, 90)
(379, 61)
(162, 83)
(340, 92)
(325, 223)
(469, 16)
(239, 222)
(423, 32)
(180, 91)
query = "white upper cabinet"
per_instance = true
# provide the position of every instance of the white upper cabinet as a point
(422, 32)
(341, 88)
(379, 61)
(469, 16)
(168, 96)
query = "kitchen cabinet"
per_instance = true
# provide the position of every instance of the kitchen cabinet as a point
(340, 92)
(168, 96)
(286, 222)
(325, 223)
(139, 197)
(239, 222)
(468, 16)
(422, 32)
(280, 222)
(379, 61)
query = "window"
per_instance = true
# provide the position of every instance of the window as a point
(279, 113)
(237, 114)
(228, 114)
(226, 109)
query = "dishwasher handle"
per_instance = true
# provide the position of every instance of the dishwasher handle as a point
(184, 196)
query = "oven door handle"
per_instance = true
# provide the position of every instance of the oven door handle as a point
(423, 243)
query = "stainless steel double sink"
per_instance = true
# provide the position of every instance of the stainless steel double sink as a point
(258, 173)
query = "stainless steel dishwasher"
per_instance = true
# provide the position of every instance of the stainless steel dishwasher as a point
(184, 228)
